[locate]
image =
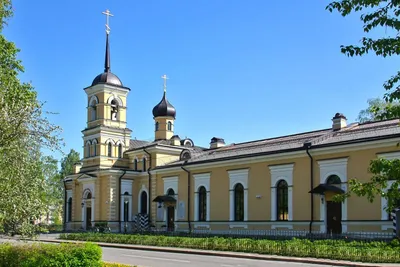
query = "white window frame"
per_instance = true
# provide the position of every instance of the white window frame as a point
(143, 189)
(201, 180)
(278, 173)
(327, 168)
(171, 183)
(235, 177)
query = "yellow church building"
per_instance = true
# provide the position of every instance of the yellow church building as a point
(281, 183)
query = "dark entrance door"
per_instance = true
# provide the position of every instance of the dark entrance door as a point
(334, 217)
(170, 218)
(88, 218)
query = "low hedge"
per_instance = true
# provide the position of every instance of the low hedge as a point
(376, 252)
(108, 264)
(46, 255)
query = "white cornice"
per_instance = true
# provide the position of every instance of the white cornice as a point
(333, 162)
(390, 155)
(286, 155)
(281, 168)
(105, 88)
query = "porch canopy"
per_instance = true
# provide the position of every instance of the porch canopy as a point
(322, 188)
(164, 198)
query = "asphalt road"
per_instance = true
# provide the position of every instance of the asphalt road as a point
(162, 259)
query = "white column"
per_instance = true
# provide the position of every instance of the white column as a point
(273, 204)
(344, 211)
(208, 206)
(196, 206)
(232, 206)
(290, 204)
(83, 215)
(92, 211)
(130, 206)
(122, 209)
(245, 202)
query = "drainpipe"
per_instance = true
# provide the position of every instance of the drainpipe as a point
(308, 146)
(188, 200)
(119, 201)
(65, 206)
(149, 195)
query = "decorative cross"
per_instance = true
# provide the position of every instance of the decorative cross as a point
(165, 78)
(108, 14)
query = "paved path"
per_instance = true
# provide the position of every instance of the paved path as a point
(163, 259)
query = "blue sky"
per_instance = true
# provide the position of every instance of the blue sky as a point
(240, 70)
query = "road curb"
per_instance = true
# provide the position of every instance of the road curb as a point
(227, 254)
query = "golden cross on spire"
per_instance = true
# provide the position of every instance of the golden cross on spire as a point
(165, 78)
(108, 14)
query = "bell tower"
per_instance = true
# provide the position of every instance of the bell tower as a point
(106, 135)
(164, 116)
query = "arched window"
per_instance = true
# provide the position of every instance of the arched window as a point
(94, 149)
(144, 164)
(109, 153)
(171, 192)
(126, 207)
(157, 125)
(69, 208)
(202, 195)
(143, 202)
(135, 162)
(239, 202)
(114, 110)
(89, 196)
(282, 201)
(88, 149)
(120, 151)
(93, 111)
(333, 179)
(169, 126)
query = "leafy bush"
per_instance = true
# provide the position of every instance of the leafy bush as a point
(108, 264)
(45, 255)
(377, 252)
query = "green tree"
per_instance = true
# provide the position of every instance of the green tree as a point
(67, 163)
(24, 131)
(376, 106)
(377, 14)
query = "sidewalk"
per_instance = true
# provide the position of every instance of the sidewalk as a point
(53, 238)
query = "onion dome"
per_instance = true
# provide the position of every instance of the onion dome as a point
(164, 108)
(107, 76)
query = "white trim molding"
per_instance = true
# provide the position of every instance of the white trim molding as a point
(278, 173)
(327, 168)
(171, 183)
(388, 156)
(143, 189)
(202, 179)
(236, 177)
(126, 187)
(69, 195)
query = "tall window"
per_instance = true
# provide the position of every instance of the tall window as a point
(202, 195)
(120, 151)
(282, 201)
(109, 149)
(239, 202)
(143, 202)
(135, 162)
(144, 164)
(93, 112)
(169, 126)
(157, 125)
(88, 149)
(69, 214)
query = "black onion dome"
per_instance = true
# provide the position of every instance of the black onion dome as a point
(164, 109)
(108, 78)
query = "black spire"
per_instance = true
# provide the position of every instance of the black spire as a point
(107, 67)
